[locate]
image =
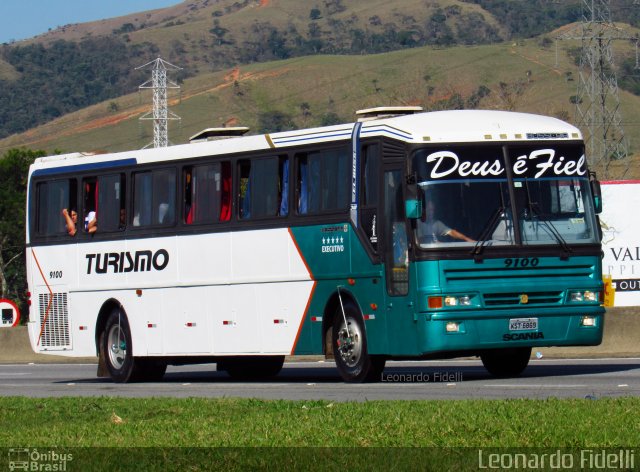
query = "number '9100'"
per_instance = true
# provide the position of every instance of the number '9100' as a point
(512, 263)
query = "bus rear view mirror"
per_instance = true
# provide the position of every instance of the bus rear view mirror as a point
(413, 208)
(597, 193)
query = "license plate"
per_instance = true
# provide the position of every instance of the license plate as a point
(522, 324)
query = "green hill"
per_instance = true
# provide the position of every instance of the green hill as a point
(254, 63)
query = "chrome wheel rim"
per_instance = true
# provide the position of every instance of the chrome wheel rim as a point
(117, 346)
(349, 343)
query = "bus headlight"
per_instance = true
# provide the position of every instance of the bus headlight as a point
(449, 301)
(583, 296)
(458, 300)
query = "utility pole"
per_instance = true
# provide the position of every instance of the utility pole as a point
(160, 113)
(597, 99)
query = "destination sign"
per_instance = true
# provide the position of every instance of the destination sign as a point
(488, 162)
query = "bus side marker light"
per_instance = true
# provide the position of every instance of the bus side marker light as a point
(228, 323)
(374, 306)
(189, 324)
(351, 281)
(83, 328)
(434, 302)
(588, 321)
(316, 318)
(279, 322)
(139, 292)
(151, 325)
(369, 317)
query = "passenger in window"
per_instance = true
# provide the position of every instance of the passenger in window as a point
(90, 222)
(71, 220)
(163, 210)
(123, 219)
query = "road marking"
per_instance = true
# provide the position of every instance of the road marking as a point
(536, 386)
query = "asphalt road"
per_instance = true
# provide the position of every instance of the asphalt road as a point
(459, 379)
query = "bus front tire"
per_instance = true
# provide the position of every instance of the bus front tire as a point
(353, 360)
(508, 362)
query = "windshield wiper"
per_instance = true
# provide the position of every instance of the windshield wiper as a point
(484, 236)
(534, 210)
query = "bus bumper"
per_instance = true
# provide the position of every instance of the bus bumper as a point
(479, 330)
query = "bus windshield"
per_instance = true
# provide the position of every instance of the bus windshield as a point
(469, 198)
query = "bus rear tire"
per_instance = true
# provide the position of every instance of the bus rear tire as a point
(353, 360)
(508, 362)
(116, 348)
(253, 367)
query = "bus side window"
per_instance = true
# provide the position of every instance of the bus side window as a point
(111, 202)
(322, 182)
(262, 189)
(207, 189)
(369, 194)
(51, 198)
(154, 198)
(164, 197)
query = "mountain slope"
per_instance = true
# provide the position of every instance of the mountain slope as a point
(311, 90)
(212, 40)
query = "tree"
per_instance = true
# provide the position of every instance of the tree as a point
(275, 121)
(14, 169)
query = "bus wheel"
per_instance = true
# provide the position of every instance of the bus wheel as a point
(350, 348)
(150, 369)
(253, 367)
(506, 362)
(115, 344)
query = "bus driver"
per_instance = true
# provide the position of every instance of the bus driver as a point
(431, 230)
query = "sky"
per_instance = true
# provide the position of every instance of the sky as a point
(21, 19)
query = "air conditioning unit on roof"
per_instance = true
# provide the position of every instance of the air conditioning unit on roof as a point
(386, 112)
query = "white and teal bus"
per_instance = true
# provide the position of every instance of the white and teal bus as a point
(404, 235)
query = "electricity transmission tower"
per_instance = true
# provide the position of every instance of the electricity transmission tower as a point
(597, 99)
(160, 113)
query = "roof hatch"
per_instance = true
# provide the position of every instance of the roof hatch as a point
(218, 133)
(386, 112)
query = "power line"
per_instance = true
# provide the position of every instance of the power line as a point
(597, 99)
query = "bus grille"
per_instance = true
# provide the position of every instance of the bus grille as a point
(532, 298)
(550, 272)
(56, 322)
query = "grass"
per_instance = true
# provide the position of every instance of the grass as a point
(247, 434)
(193, 422)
